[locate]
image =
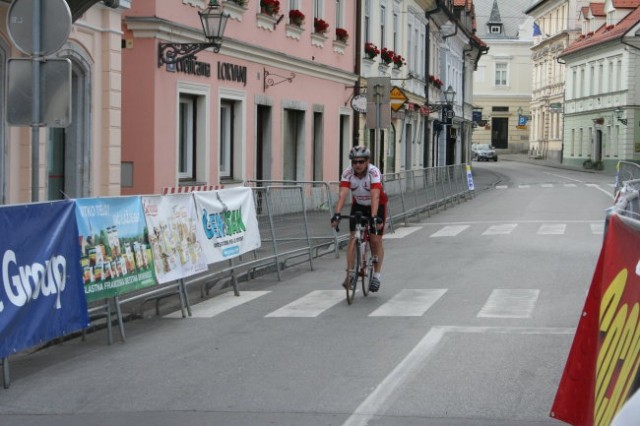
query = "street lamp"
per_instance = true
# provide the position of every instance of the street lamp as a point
(519, 111)
(449, 95)
(618, 114)
(214, 21)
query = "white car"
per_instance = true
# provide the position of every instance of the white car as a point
(483, 152)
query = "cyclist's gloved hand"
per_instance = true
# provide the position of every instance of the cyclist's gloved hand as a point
(335, 218)
(377, 220)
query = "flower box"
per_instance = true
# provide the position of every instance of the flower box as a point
(320, 25)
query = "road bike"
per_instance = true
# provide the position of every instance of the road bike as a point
(364, 261)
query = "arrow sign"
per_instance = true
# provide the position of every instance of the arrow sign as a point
(397, 99)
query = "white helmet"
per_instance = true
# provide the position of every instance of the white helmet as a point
(359, 152)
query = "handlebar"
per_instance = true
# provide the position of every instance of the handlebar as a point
(358, 217)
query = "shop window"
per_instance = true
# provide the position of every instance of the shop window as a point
(187, 137)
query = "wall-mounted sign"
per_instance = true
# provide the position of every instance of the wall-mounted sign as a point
(359, 103)
(191, 66)
(232, 72)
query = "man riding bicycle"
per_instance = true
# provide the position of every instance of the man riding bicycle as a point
(364, 181)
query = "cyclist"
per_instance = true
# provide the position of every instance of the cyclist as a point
(364, 181)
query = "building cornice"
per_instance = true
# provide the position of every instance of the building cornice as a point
(161, 29)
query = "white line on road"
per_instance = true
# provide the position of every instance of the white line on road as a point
(377, 402)
(212, 307)
(409, 303)
(502, 229)
(510, 303)
(401, 232)
(566, 177)
(593, 185)
(449, 231)
(552, 229)
(311, 305)
(597, 228)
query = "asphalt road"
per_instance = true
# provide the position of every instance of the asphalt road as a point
(472, 326)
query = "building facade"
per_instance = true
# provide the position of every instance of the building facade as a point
(555, 27)
(502, 83)
(83, 158)
(602, 95)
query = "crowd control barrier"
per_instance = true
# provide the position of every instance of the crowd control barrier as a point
(603, 367)
(148, 248)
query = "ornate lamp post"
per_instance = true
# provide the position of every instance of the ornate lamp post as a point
(214, 22)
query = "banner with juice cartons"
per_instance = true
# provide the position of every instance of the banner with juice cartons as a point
(175, 237)
(228, 221)
(41, 291)
(114, 243)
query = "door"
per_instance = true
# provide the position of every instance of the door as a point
(500, 132)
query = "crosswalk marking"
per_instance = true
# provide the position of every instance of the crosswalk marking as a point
(502, 186)
(552, 229)
(510, 303)
(401, 232)
(502, 229)
(449, 231)
(311, 305)
(597, 228)
(409, 303)
(547, 185)
(212, 307)
(524, 186)
(569, 185)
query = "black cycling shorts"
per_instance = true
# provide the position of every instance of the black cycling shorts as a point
(366, 211)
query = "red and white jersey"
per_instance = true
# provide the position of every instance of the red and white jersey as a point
(361, 187)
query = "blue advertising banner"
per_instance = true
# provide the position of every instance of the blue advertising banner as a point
(41, 291)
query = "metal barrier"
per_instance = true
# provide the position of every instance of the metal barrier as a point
(626, 173)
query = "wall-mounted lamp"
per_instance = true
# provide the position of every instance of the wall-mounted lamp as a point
(617, 113)
(519, 111)
(449, 96)
(214, 21)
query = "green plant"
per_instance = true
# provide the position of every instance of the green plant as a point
(598, 165)
(587, 164)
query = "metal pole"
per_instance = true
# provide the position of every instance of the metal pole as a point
(378, 123)
(36, 116)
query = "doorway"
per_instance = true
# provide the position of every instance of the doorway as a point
(500, 132)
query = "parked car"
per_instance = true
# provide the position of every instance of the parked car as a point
(483, 152)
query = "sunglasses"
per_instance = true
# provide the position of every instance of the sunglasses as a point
(358, 161)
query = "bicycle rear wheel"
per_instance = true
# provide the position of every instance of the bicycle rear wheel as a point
(366, 268)
(351, 289)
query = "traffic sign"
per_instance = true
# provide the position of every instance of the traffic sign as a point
(54, 26)
(397, 98)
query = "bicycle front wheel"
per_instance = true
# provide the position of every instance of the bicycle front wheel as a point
(366, 268)
(351, 287)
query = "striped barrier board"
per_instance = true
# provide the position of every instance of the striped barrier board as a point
(186, 189)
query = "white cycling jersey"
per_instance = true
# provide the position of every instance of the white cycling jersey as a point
(361, 187)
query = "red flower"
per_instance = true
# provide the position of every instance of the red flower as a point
(342, 34)
(398, 61)
(270, 7)
(387, 55)
(371, 50)
(320, 25)
(296, 17)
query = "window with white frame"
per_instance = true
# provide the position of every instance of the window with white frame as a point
(501, 74)
(339, 14)
(226, 140)
(383, 25)
(367, 20)
(395, 31)
(186, 137)
(294, 4)
(318, 9)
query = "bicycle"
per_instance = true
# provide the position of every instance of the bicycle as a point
(364, 261)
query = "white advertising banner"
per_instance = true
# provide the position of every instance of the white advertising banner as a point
(228, 222)
(174, 235)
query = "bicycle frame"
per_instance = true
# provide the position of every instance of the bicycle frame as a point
(364, 261)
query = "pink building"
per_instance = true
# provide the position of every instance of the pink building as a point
(272, 104)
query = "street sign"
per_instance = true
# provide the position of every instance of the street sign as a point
(397, 99)
(378, 89)
(378, 116)
(54, 26)
(522, 120)
(55, 81)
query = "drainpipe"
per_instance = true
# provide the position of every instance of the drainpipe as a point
(357, 69)
(427, 48)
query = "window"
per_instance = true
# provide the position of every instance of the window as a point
(339, 14)
(318, 9)
(383, 23)
(294, 4)
(367, 20)
(186, 137)
(495, 29)
(501, 74)
(395, 31)
(226, 140)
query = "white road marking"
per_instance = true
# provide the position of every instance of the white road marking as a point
(409, 303)
(449, 231)
(552, 229)
(597, 228)
(379, 401)
(547, 185)
(593, 185)
(524, 186)
(510, 303)
(566, 177)
(501, 187)
(502, 229)
(569, 185)
(311, 305)
(212, 307)
(401, 232)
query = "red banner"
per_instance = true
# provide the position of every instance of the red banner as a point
(602, 368)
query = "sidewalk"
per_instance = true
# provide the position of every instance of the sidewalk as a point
(525, 158)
